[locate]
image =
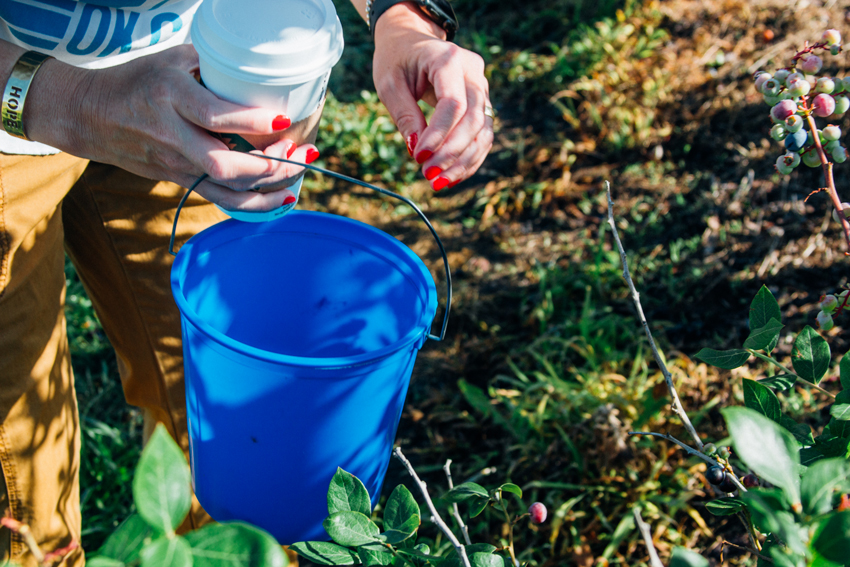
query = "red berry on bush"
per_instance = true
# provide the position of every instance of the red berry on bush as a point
(538, 512)
(715, 475)
(750, 481)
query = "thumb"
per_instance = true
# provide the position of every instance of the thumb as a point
(405, 112)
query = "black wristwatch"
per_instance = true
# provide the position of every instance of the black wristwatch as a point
(438, 11)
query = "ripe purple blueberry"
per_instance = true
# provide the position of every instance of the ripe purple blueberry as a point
(728, 485)
(538, 513)
(715, 475)
(823, 105)
(782, 110)
(750, 481)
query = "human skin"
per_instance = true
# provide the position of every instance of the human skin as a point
(151, 117)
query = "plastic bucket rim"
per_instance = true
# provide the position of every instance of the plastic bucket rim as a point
(418, 332)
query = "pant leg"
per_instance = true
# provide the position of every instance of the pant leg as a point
(117, 230)
(39, 424)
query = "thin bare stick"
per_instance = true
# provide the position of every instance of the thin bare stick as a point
(751, 550)
(677, 403)
(447, 468)
(435, 516)
(26, 533)
(692, 451)
(646, 532)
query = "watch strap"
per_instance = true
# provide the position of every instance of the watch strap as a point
(438, 11)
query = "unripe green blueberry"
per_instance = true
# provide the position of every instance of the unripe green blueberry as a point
(825, 321)
(825, 85)
(724, 452)
(782, 110)
(781, 74)
(839, 155)
(794, 123)
(823, 105)
(771, 87)
(828, 303)
(843, 295)
(772, 100)
(799, 87)
(795, 76)
(832, 146)
(831, 133)
(811, 158)
(778, 132)
(831, 37)
(782, 167)
(835, 49)
(709, 449)
(845, 208)
(842, 104)
(811, 64)
(839, 86)
(792, 159)
(538, 513)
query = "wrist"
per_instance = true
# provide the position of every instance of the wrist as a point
(406, 16)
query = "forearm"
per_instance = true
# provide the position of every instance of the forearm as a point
(405, 15)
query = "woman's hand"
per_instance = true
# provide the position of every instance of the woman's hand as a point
(413, 62)
(151, 117)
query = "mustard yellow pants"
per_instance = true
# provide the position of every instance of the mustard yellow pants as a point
(115, 226)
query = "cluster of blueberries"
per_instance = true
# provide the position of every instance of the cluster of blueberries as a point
(829, 305)
(788, 92)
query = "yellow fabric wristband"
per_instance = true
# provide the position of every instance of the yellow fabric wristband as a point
(15, 93)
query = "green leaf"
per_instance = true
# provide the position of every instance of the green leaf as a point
(769, 512)
(726, 506)
(374, 554)
(485, 560)
(167, 551)
(454, 560)
(841, 412)
(351, 528)
(844, 372)
(801, 431)
(125, 542)
(476, 507)
(762, 399)
(832, 539)
(818, 483)
(764, 338)
(726, 359)
(768, 449)
(839, 428)
(682, 557)
(512, 488)
(347, 493)
(99, 561)
(401, 516)
(325, 553)
(780, 382)
(161, 487)
(235, 544)
(763, 309)
(466, 491)
(810, 355)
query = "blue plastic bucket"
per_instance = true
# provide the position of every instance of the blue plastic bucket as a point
(299, 338)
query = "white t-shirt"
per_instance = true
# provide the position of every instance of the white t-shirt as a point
(93, 35)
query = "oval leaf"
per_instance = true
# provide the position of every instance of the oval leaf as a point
(762, 399)
(347, 493)
(325, 553)
(401, 515)
(726, 506)
(512, 488)
(833, 538)
(841, 412)
(810, 356)
(374, 554)
(818, 483)
(682, 557)
(764, 338)
(780, 382)
(235, 544)
(726, 359)
(351, 529)
(466, 491)
(125, 543)
(486, 560)
(763, 309)
(768, 449)
(167, 552)
(844, 372)
(99, 561)
(161, 487)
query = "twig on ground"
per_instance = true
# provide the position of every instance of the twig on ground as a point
(677, 403)
(435, 516)
(646, 532)
(751, 550)
(26, 533)
(455, 511)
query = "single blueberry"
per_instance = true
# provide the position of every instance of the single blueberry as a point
(795, 141)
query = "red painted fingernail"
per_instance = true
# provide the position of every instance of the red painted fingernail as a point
(440, 183)
(281, 122)
(423, 156)
(453, 183)
(411, 143)
(291, 150)
(289, 199)
(432, 172)
(312, 155)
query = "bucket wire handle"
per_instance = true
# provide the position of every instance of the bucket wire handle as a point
(342, 177)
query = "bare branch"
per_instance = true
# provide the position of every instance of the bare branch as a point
(677, 403)
(435, 516)
(645, 531)
(455, 511)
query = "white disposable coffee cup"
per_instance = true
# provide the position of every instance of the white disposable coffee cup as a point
(275, 54)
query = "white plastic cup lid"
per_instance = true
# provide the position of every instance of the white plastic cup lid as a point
(283, 42)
